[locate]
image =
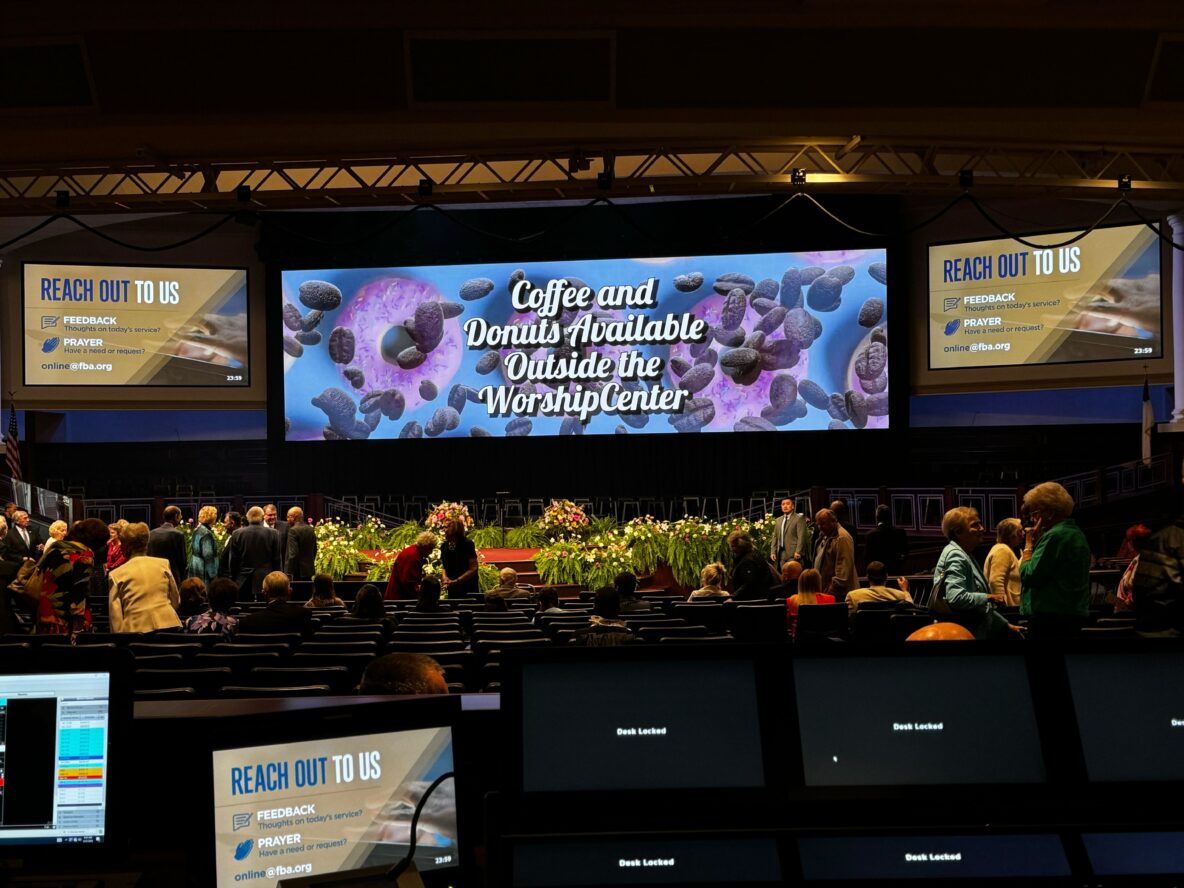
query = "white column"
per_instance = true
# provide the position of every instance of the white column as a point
(1176, 222)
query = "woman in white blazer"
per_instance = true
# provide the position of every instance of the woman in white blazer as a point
(142, 593)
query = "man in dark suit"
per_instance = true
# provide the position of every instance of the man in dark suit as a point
(271, 519)
(22, 541)
(301, 553)
(254, 553)
(169, 543)
(232, 521)
(280, 615)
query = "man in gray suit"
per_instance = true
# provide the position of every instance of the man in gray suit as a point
(169, 543)
(254, 553)
(788, 535)
(301, 554)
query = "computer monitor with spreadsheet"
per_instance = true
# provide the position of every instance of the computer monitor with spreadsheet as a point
(54, 758)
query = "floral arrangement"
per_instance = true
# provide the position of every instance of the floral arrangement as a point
(337, 553)
(562, 562)
(562, 519)
(370, 534)
(381, 562)
(441, 514)
(646, 539)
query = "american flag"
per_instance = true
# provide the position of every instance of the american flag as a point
(12, 451)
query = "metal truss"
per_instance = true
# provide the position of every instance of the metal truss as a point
(854, 166)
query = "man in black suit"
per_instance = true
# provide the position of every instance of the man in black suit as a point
(254, 553)
(271, 519)
(280, 615)
(301, 553)
(169, 543)
(22, 540)
(232, 521)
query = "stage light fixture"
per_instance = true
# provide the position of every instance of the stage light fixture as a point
(578, 163)
(425, 187)
(966, 178)
(243, 194)
(604, 181)
(1124, 182)
(61, 200)
(851, 145)
(797, 176)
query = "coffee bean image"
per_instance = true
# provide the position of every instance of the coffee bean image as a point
(515, 276)
(620, 430)
(371, 401)
(320, 295)
(871, 312)
(372, 419)
(802, 327)
(763, 306)
(355, 376)
(428, 327)
(518, 428)
(783, 390)
(708, 357)
(392, 404)
(458, 397)
(813, 394)
(726, 283)
(879, 272)
(438, 424)
(311, 320)
(571, 426)
(489, 362)
(679, 366)
(875, 386)
(836, 424)
(636, 420)
(755, 340)
(410, 358)
(729, 338)
(877, 405)
(856, 408)
(742, 365)
(844, 274)
(341, 345)
(698, 348)
(780, 354)
(696, 413)
(330, 434)
(808, 275)
(451, 309)
(478, 432)
(754, 424)
(688, 283)
(781, 416)
(837, 407)
(477, 288)
(799, 408)
(337, 406)
(773, 319)
(825, 294)
(871, 361)
(526, 388)
(309, 337)
(292, 347)
(731, 316)
(766, 289)
(292, 317)
(411, 430)
(428, 390)
(880, 335)
(791, 288)
(697, 378)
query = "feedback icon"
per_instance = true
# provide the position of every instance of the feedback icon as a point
(951, 302)
(241, 820)
(243, 849)
(48, 321)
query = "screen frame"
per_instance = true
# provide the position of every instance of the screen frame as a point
(245, 385)
(118, 664)
(1165, 351)
(305, 724)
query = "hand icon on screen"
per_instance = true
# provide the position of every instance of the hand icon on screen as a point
(1126, 302)
(224, 335)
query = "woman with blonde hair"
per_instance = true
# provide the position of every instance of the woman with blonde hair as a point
(1002, 566)
(1054, 564)
(142, 593)
(115, 556)
(203, 550)
(711, 581)
(809, 592)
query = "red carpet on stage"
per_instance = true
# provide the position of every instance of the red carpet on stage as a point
(509, 556)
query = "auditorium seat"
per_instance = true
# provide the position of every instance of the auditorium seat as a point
(338, 678)
(904, 625)
(346, 637)
(206, 682)
(451, 636)
(1097, 632)
(237, 663)
(160, 661)
(711, 615)
(431, 648)
(485, 648)
(348, 627)
(355, 663)
(245, 691)
(656, 633)
(291, 639)
(872, 625)
(205, 639)
(119, 639)
(816, 622)
(340, 647)
(233, 647)
(766, 622)
(485, 634)
(152, 694)
(696, 639)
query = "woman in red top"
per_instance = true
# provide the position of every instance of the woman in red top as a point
(407, 571)
(809, 592)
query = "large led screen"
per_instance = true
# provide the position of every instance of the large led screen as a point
(997, 303)
(764, 342)
(92, 325)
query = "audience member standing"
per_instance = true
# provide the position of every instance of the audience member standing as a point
(169, 543)
(143, 594)
(271, 519)
(834, 558)
(1002, 566)
(231, 522)
(22, 540)
(839, 508)
(458, 557)
(1054, 565)
(65, 571)
(115, 556)
(965, 587)
(887, 544)
(300, 555)
(203, 548)
(254, 553)
(789, 534)
(1157, 590)
(407, 571)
